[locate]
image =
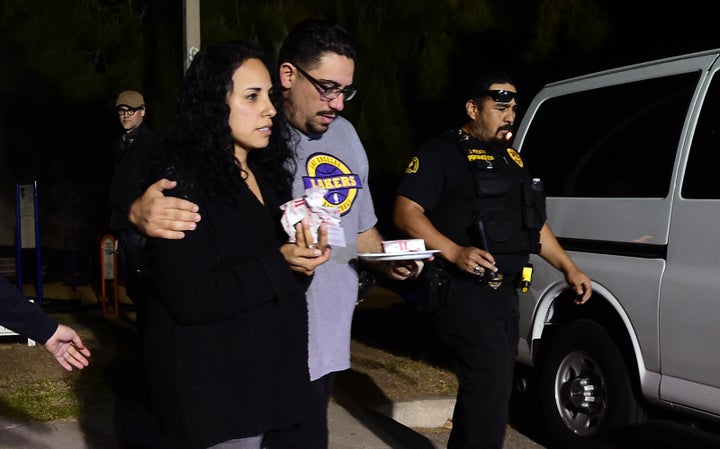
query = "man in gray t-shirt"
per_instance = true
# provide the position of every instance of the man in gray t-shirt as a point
(332, 294)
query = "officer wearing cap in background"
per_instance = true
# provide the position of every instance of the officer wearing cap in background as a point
(469, 195)
(133, 154)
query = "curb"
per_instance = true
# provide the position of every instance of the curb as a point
(421, 413)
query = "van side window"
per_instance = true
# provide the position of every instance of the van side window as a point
(701, 172)
(616, 141)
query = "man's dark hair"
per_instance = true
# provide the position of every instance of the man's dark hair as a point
(310, 39)
(482, 83)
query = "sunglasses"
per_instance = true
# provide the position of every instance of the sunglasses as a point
(501, 96)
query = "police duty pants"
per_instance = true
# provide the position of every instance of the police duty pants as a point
(479, 325)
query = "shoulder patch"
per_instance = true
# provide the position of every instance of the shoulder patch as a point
(515, 156)
(413, 166)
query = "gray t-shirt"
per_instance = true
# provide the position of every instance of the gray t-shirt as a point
(337, 162)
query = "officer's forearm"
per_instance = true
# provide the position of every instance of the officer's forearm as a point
(553, 252)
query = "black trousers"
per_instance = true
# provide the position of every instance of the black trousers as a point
(312, 431)
(130, 267)
(480, 327)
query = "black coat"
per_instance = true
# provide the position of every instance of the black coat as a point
(226, 334)
(134, 154)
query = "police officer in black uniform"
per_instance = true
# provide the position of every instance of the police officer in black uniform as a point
(468, 194)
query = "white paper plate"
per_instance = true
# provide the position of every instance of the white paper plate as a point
(385, 257)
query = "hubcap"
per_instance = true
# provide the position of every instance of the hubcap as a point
(580, 393)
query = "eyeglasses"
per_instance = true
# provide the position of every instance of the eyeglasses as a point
(501, 96)
(128, 111)
(329, 91)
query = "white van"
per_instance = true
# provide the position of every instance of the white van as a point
(628, 158)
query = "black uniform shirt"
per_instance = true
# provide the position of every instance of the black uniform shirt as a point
(439, 179)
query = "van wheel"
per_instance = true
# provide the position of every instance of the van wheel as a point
(584, 387)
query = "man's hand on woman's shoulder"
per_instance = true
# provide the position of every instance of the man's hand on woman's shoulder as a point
(157, 215)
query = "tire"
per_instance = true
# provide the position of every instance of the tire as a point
(584, 388)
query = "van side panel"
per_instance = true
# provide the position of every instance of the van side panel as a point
(612, 149)
(638, 296)
(690, 302)
(644, 221)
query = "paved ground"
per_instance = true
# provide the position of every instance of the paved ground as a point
(352, 425)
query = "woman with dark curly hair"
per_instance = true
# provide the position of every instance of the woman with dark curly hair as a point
(226, 343)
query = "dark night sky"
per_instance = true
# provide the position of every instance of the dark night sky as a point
(639, 33)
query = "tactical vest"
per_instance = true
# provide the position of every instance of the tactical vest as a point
(509, 207)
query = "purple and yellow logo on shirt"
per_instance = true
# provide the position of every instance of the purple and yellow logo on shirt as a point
(327, 172)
